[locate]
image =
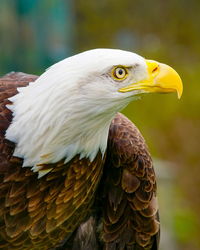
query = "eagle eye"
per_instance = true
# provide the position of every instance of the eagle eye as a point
(119, 73)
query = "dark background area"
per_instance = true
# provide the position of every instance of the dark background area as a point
(37, 33)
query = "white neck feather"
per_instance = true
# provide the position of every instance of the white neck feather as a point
(48, 127)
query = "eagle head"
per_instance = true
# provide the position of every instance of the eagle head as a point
(69, 108)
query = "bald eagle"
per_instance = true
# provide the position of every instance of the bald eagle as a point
(75, 173)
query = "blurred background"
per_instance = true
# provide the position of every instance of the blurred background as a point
(37, 33)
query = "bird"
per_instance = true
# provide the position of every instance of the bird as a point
(75, 173)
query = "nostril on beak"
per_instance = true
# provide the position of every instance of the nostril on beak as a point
(155, 69)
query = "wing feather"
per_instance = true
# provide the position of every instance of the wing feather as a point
(130, 218)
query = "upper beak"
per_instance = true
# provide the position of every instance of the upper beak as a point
(161, 78)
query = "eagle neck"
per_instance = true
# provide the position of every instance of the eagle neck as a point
(46, 129)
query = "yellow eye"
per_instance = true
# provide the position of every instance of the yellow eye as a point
(120, 73)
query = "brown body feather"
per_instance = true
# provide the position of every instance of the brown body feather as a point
(44, 213)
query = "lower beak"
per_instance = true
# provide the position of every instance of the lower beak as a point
(161, 79)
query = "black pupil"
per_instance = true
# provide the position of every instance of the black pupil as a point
(120, 72)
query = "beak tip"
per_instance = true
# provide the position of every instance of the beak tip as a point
(179, 93)
(180, 89)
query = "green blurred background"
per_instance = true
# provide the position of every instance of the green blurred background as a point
(37, 33)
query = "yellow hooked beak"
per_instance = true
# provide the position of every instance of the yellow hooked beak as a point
(161, 79)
